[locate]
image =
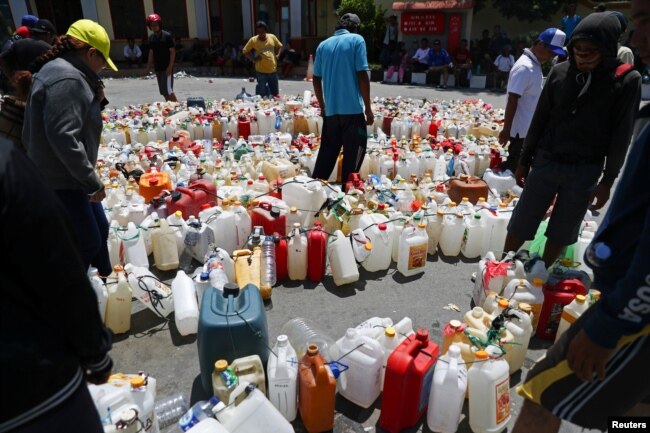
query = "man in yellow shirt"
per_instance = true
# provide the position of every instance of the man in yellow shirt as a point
(263, 50)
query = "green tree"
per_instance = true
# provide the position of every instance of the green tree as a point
(530, 11)
(373, 24)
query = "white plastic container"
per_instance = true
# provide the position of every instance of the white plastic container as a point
(361, 245)
(134, 249)
(292, 217)
(520, 290)
(341, 258)
(489, 394)
(297, 257)
(434, 230)
(282, 372)
(521, 328)
(477, 318)
(374, 327)
(224, 227)
(398, 228)
(473, 237)
(243, 223)
(496, 229)
(149, 290)
(100, 291)
(118, 304)
(388, 341)
(498, 183)
(253, 414)
(177, 223)
(164, 247)
(249, 369)
(361, 382)
(570, 314)
(413, 251)
(452, 235)
(306, 193)
(186, 308)
(205, 238)
(380, 236)
(447, 392)
(146, 230)
(208, 425)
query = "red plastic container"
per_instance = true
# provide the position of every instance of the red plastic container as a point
(189, 199)
(269, 217)
(388, 120)
(316, 392)
(281, 255)
(244, 127)
(275, 188)
(409, 373)
(555, 298)
(495, 158)
(316, 247)
(354, 181)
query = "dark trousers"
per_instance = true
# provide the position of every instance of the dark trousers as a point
(75, 415)
(347, 131)
(90, 226)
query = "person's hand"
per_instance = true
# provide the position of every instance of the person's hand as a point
(586, 357)
(601, 195)
(521, 173)
(370, 117)
(504, 137)
(98, 196)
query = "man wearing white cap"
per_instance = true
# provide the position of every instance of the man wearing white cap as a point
(524, 88)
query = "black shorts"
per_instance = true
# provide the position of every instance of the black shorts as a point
(553, 385)
(165, 83)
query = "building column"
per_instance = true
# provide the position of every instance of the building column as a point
(295, 15)
(89, 9)
(468, 25)
(247, 17)
(18, 9)
(201, 15)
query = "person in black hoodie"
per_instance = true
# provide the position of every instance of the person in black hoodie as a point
(52, 340)
(578, 137)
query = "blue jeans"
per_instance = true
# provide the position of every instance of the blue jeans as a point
(267, 84)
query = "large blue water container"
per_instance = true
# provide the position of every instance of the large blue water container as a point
(232, 324)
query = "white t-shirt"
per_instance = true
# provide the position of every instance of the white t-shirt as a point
(504, 64)
(525, 80)
(422, 55)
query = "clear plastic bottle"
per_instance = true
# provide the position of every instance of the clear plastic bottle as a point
(191, 239)
(200, 411)
(170, 410)
(303, 332)
(269, 275)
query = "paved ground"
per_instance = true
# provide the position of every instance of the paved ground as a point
(156, 346)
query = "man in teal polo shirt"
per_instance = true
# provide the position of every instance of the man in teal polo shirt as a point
(342, 87)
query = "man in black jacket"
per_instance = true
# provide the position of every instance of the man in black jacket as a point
(51, 336)
(582, 123)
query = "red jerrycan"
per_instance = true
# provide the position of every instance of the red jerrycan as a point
(316, 250)
(354, 181)
(189, 200)
(495, 158)
(275, 188)
(244, 127)
(388, 120)
(409, 373)
(555, 298)
(281, 257)
(270, 217)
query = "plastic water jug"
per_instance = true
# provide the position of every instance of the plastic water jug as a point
(132, 243)
(447, 392)
(186, 309)
(297, 254)
(473, 237)
(496, 228)
(407, 385)
(100, 291)
(489, 394)
(454, 334)
(477, 318)
(278, 167)
(520, 290)
(243, 222)
(498, 183)
(389, 341)
(204, 238)
(434, 231)
(224, 380)
(361, 245)
(398, 228)
(343, 266)
(303, 332)
(306, 193)
(224, 227)
(316, 392)
(282, 370)
(293, 216)
(451, 237)
(232, 324)
(251, 412)
(556, 296)
(208, 425)
(118, 304)
(146, 229)
(249, 369)
(521, 327)
(317, 252)
(374, 327)
(413, 250)
(243, 260)
(165, 249)
(179, 226)
(361, 382)
(570, 314)
(380, 236)
(149, 290)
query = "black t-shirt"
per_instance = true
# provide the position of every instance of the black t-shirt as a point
(23, 52)
(160, 45)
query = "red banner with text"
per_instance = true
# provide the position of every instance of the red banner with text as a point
(423, 23)
(453, 38)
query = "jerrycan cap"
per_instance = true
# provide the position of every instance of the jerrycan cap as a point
(481, 354)
(452, 204)
(137, 381)
(390, 332)
(538, 282)
(178, 214)
(481, 199)
(204, 276)
(237, 203)
(118, 268)
(464, 200)
(422, 335)
(423, 225)
(225, 202)
(230, 289)
(459, 215)
(282, 340)
(275, 211)
(477, 216)
(455, 323)
(293, 209)
(368, 246)
(440, 187)
(440, 212)
(503, 303)
(581, 299)
(382, 227)
(153, 181)
(220, 365)
(312, 350)
(525, 307)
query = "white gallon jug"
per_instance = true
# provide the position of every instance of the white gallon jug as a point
(186, 308)
(118, 304)
(389, 340)
(149, 290)
(473, 237)
(380, 235)
(447, 392)
(361, 382)
(134, 249)
(521, 290)
(282, 372)
(297, 257)
(434, 230)
(521, 327)
(243, 223)
(306, 193)
(177, 223)
(361, 245)
(205, 238)
(452, 235)
(570, 314)
(163, 244)
(498, 183)
(100, 291)
(495, 222)
(224, 227)
(413, 250)
(208, 425)
(343, 266)
(489, 394)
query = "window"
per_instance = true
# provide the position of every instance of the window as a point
(6, 20)
(309, 17)
(174, 16)
(129, 20)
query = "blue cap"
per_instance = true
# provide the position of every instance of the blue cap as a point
(28, 20)
(204, 276)
(602, 251)
(555, 39)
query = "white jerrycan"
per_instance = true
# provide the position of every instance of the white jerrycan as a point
(521, 290)
(149, 290)
(520, 325)
(361, 382)
(447, 392)
(413, 250)
(282, 373)
(341, 258)
(134, 248)
(163, 244)
(489, 393)
(186, 308)
(297, 257)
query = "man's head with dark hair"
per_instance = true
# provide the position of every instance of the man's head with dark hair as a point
(349, 22)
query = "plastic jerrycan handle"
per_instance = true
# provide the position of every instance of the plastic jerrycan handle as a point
(318, 368)
(266, 206)
(572, 286)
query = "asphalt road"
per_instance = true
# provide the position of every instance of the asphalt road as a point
(155, 346)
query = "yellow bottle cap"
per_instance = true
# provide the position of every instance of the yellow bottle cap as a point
(368, 246)
(581, 298)
(452, 204)
(481, 354)
(293, 209)
(237, 203)
(225, 202)
(118, 268)
(137, 381)
(178, 214)
(422, 225)
(220, 365)
(503, 303)
(390, 332)
(440, 212)
(525, 307)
